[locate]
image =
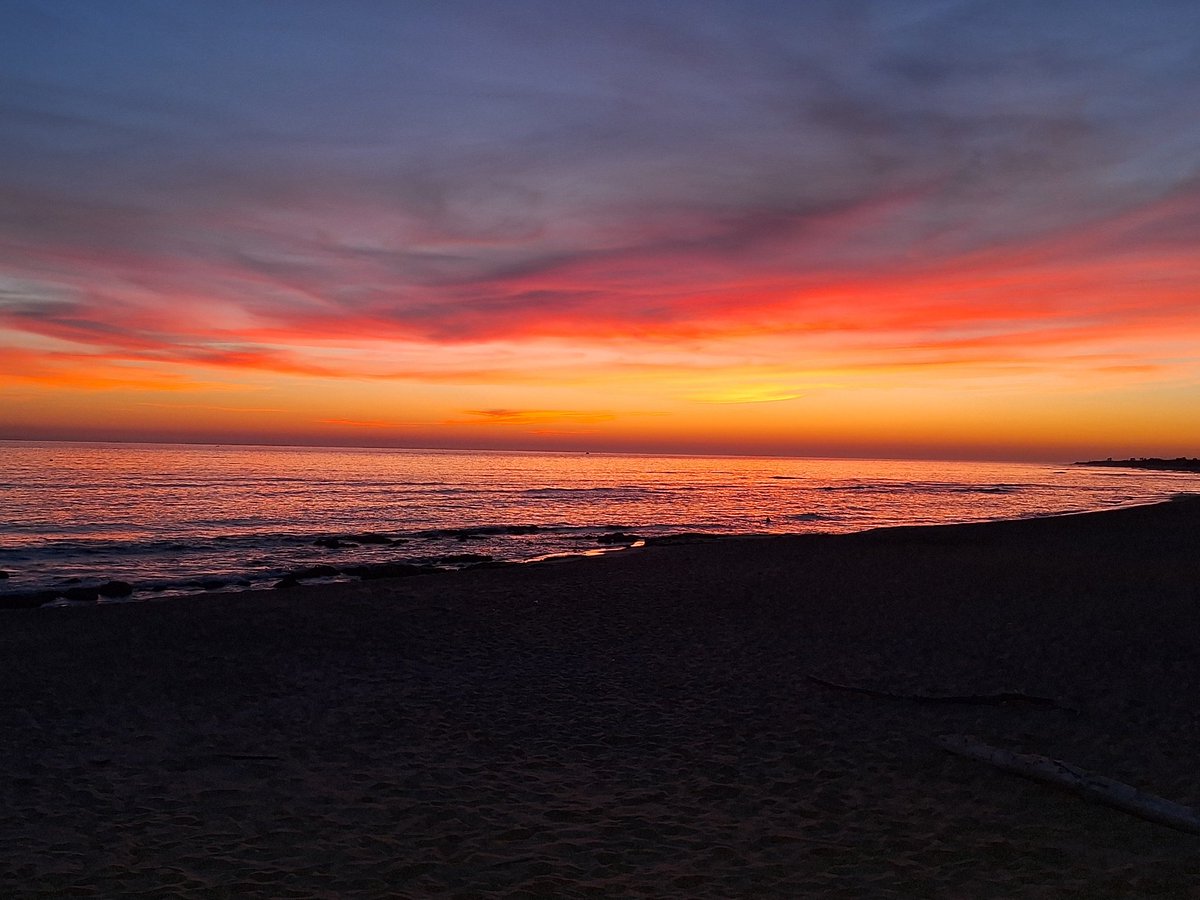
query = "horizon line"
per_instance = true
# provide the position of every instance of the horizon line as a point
(532, 451)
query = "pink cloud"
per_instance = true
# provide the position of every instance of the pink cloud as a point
(736, 279)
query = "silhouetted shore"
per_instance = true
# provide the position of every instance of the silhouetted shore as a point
(1179, 464)
(643, 723)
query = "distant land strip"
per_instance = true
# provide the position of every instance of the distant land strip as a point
(1180, 464)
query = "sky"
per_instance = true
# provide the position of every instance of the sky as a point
(921, 228)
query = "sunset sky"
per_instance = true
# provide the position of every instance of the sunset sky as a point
(915, 228)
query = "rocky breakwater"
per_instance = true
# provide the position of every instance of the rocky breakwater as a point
(78, 593)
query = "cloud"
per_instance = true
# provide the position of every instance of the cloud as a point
(323, 193)
(374, 424)
(523, 417)
(89, 372)
(750, 394)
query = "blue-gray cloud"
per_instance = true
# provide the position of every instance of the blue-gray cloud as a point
(401, 159)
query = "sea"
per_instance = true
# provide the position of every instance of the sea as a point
(159, 520)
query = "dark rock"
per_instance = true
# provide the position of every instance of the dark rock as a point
(462, 558)
(82, 594)
(315, 572)
(3, 574)
(287, 581)
(354, 540)
(617, 537)
(371, 537)
(686, 537)
(213, 584)
(479, 531)
(115, 589)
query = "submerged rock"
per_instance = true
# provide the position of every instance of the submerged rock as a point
(115, 589)
(331, 542)
(317, 572)
(370, 537)
(3, 574)
(82, 594)
(463, 558)
(684, 537)
(619, 537)
(479, 531)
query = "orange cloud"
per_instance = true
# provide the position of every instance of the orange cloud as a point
(721, 317)
(531, 416)
(377, 424)
(89, 372)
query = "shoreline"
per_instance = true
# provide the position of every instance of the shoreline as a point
(101, 590)
(634, 724)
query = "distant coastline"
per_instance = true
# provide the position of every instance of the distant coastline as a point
(1180, 464)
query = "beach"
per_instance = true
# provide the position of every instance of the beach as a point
(643, 723)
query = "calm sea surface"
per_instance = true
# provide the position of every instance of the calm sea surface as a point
(172, 519)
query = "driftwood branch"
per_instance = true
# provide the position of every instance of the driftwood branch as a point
(1086, 784)
(1007, 698)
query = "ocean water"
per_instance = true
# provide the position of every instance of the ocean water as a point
(172, 519)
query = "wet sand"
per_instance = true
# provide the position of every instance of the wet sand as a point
(640, 724)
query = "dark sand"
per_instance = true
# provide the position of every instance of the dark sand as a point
(635, 725)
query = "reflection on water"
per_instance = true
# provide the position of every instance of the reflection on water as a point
(176, 515)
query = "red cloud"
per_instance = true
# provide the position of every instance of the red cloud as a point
(740, 279)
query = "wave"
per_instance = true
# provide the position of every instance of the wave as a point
(471, 531)
(623, 492)
(921, 487)
(268, 541)
(158, 569)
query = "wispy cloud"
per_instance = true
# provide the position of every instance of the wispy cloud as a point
(524, 417)
(373, 424)
(457, 193)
